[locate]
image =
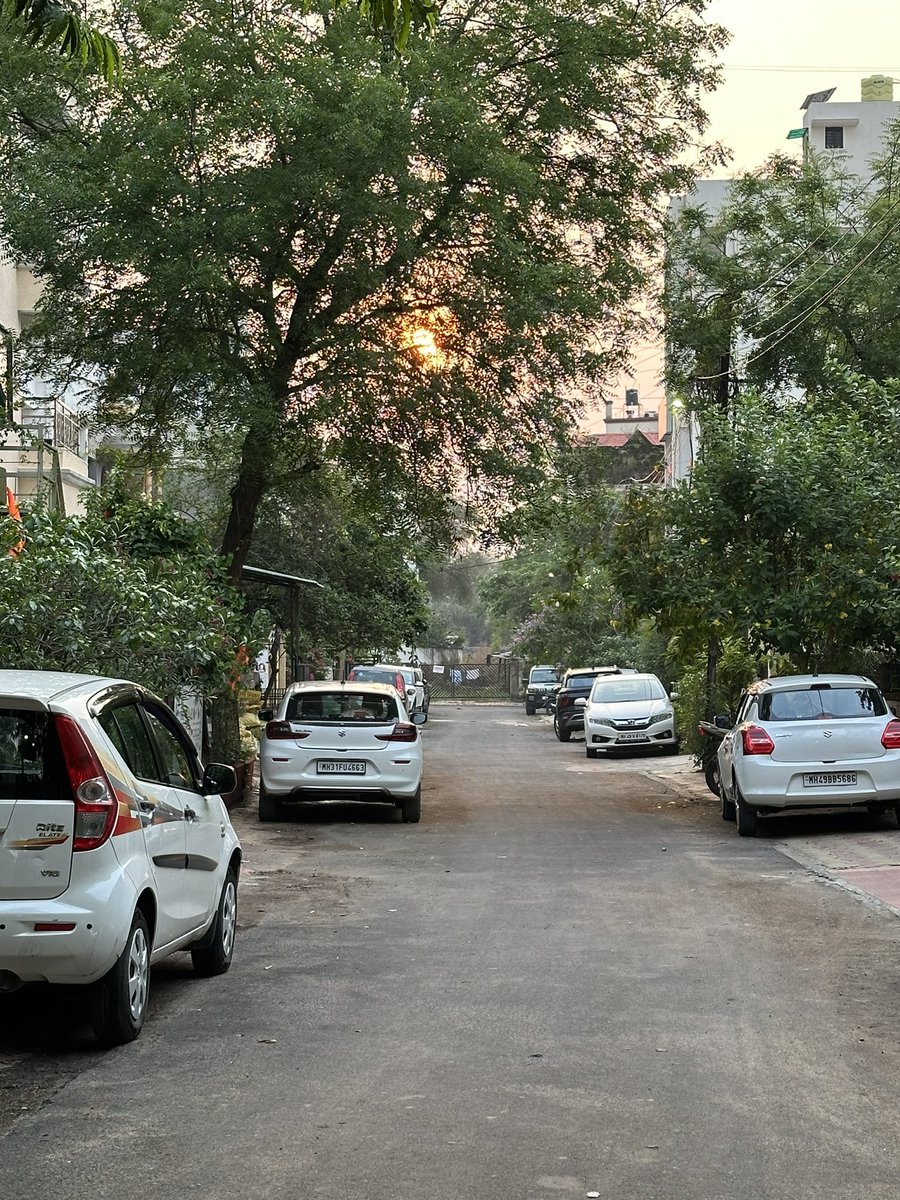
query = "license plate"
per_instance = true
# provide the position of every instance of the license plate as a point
(632, 737)
(830, 779)
(350, 767)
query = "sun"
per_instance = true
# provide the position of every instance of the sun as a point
(422, 341)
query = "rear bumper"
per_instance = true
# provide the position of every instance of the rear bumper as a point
(767, 784)
(78, 956)
(571, 719)
(306, 786)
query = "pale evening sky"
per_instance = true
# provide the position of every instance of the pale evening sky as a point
(780, 52)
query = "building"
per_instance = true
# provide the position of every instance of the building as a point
(853, 134)
(46, 447)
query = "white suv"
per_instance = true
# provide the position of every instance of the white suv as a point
(115, 846)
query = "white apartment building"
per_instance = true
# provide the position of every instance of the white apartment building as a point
(854, 133)
(45, 446)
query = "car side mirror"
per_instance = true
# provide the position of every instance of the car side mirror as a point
(266, 714)
(722, 721)
(419, 718)
(581, 702)
(219, 779)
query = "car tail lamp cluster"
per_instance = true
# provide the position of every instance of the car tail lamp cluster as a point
(276, 730)
(890, 738)
(403, 731)
(96, 806)
(756, 740)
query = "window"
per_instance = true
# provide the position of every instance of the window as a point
(822, 704)
(31, 763)
(834, 137)
(177, 766)
(624, 690)
(342, 706)
(127, 732)
(542, 675)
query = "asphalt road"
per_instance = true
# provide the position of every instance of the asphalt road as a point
(568, 979)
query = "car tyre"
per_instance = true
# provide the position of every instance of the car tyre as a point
(411, 808)
(897, 812)
(728, 807)
(269, 807)
(563, 735)
(215, 959)
(747, 818)
(529, 710)
(590, 752)
(119, 999)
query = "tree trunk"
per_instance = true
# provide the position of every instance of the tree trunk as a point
(225, 730)
(250, 486)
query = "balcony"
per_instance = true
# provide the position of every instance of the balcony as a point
(50, 421)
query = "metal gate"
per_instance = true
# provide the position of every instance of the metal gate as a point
(498, 679)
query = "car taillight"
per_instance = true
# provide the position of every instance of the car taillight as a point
(282, 729)
(756, 740)
(403, 731)
(96, 806)
(890, 738)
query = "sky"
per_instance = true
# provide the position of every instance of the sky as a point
(780, 51)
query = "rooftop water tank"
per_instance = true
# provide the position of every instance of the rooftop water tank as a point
(878, 87)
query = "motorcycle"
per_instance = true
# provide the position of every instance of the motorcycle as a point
(708, 759)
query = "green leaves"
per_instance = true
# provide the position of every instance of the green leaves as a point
(52, 25)
(92, 594)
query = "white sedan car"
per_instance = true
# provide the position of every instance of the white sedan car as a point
(115, 846)
(341, 741)
(628, 712)
(809, 741)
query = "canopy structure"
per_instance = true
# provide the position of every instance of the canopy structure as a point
(292, 583)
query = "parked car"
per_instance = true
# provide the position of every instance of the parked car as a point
(539, 689)
(422, 681)
(568, 714)
(387, 673)
(341, 741)
(631, 711)
(116, 849)
(807, 742)
(415, 688)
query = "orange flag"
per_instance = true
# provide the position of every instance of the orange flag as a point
(13, 509)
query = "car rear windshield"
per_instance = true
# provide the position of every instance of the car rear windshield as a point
(542, 675)
(342, 706)
(373, 675)
(31, 762)
(822, 704)
(621, 690)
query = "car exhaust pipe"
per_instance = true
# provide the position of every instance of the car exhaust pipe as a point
(9, 982)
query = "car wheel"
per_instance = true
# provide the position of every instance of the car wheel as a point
(215, 959)
(529, 710)
(747, 818)
(590, 752)
(728, 807)
(411, 808)
(119, 999)
(897, 812)
(711, 775)
(269, 807)
(563, 735)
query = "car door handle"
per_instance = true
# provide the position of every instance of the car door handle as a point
(189, 814)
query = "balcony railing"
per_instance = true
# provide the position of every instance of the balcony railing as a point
(52, 422)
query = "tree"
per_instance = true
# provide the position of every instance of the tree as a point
(780, 537)
(55, 26)
(273, 233)
(127, 590)
(795, 274)
(336, 533)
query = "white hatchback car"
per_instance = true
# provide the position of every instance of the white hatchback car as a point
(628, 712)
(809, 741)
(341, 741)
(115, 846)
